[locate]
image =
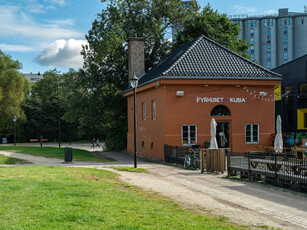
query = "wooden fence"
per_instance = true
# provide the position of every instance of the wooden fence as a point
(213, 160)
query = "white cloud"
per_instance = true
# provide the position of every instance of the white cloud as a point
(62, 53)
(36, 8)
(66, 22)
(16, 23)
(57, 2)
(15, 48)
(244, 9)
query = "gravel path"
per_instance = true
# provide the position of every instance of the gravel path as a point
(242, 202)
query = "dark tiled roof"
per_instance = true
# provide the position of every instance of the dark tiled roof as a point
(202, 58)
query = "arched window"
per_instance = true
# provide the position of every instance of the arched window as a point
(220, 110)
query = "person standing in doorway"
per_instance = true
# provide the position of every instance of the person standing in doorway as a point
(222, 138)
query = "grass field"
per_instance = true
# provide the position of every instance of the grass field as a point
(41, 197)
(11, 160)
(53, 152)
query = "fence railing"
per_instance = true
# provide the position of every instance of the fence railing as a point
(211, 160)
(280, 170)
(175, 154)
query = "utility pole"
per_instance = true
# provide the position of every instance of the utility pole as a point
(59, 121)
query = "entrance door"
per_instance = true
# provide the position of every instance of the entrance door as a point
(222, 134)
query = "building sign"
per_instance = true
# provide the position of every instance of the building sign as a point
(221, 99)
(277, 90)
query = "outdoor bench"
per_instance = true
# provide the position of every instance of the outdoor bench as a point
(37, 140)
(33, 140)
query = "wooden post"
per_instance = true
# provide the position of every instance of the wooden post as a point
(202, 160)
(249, 165)
(228, 162)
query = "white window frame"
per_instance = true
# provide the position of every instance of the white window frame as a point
(189, 135)
(144, 110)
(252, 142)
(153, 109)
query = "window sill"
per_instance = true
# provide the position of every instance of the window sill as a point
(252, 143)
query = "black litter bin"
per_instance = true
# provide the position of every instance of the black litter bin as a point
(68, 154)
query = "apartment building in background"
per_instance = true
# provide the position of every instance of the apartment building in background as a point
(34, 77)
(274, 39)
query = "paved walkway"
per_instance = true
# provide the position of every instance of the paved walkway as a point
(244, 203)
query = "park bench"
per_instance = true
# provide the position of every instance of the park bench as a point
(33, 140)
(37, 140)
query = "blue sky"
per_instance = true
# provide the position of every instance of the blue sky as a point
(47, 34)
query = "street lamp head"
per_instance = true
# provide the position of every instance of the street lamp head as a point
(14, 118)
(134, 81)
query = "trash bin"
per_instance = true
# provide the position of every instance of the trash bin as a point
(68, 154)
(4, 140)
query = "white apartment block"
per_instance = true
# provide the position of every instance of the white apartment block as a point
(274, 39)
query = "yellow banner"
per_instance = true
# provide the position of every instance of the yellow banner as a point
(277, 90)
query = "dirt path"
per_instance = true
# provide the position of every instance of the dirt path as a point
(243, 203)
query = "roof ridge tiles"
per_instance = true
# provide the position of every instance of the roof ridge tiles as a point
(245, 59)
(184, 54)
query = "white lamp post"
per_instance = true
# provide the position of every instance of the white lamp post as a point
(14, 119)
(134, 84)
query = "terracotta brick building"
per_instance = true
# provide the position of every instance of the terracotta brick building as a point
(199, 81)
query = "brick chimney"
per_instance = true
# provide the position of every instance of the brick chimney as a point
(136, 57)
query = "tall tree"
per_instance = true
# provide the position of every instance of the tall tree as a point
(106, 56)
(215, 26)
(48, 96)
(13, 88)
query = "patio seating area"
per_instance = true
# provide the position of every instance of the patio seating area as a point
(281, 170)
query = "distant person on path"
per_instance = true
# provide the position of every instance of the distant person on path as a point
(93, 143)
(97, 143)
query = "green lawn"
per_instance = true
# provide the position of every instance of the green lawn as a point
(11, 160)
(41, 197)
(53, 152)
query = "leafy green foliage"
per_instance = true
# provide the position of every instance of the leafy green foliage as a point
(13, 89)
(51, 93)
(215, 26)
(41, 108)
